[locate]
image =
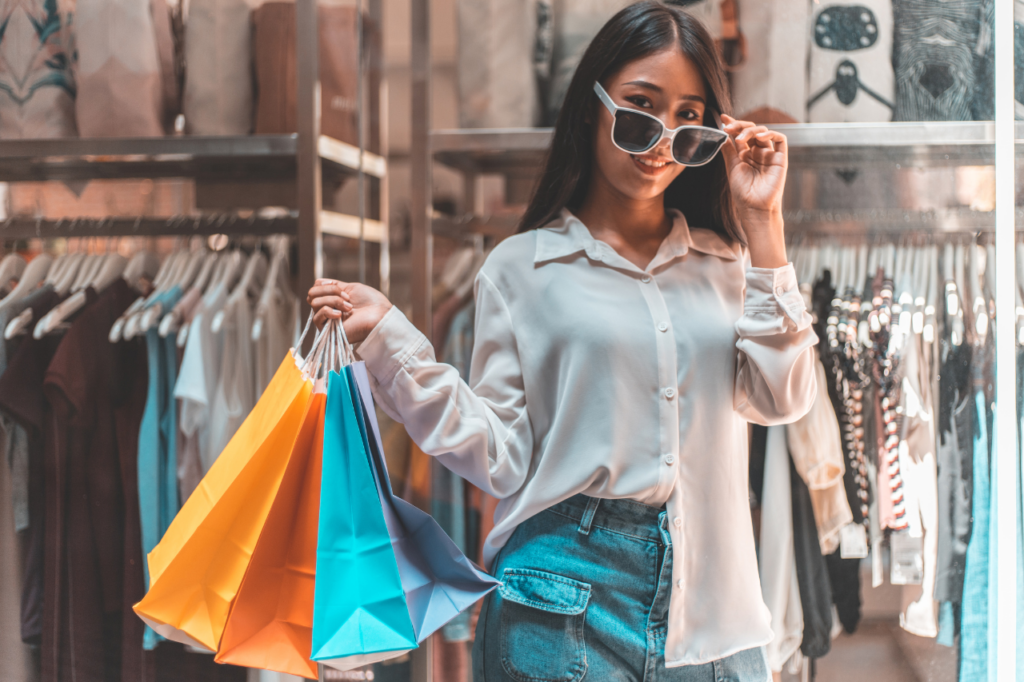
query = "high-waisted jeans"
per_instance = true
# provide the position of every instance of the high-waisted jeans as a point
(585, 597)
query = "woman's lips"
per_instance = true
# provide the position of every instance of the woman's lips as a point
(651, 165)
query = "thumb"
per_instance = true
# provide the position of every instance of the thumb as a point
(730, 154)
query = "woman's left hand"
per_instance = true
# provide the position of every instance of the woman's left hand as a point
(756, 159)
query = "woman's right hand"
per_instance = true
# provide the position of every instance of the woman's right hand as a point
(359, 306)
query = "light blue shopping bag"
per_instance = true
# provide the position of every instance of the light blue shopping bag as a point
(387, 576)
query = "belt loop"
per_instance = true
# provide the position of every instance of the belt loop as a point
(588, 515)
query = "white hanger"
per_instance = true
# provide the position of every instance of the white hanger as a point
(171, 322)
(32, 276)
(69, 273)
(11, 268)
(34, 273)
(113, 266)
(931, 295)
(277, 281)
(249, 284)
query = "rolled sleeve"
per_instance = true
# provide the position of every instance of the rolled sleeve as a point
(390, 345)
(775, 381)
(773, 302)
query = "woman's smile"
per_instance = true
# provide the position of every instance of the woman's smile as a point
(652, 165)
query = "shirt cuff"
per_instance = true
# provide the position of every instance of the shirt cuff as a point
(389, 345)
(775, 292)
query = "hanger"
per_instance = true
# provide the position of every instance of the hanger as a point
(35, 273)
(112, 267)
(164, 280)
(11, 268)
(277, 281)
(249, 284)
(171, 322)
(932, 295)
(69, 273)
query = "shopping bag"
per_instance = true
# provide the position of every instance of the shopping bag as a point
(387, 575)
(197, 567)
(271, 621)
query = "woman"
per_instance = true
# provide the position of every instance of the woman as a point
(642, 316)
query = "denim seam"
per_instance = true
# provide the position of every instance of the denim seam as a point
(610, 530)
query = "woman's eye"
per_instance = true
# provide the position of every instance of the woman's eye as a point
(641, 102)
(689, 115)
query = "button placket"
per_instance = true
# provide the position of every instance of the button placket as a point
(668, 410)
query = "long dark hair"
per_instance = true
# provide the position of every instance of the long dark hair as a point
(701, 192)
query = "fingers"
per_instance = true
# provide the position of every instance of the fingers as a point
(327, 288)
(321, 316)
(755, 144)
(336, 303)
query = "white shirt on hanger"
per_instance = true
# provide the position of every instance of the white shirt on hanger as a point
(591, 375)
(235, 395)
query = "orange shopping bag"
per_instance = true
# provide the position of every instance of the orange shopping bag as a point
(196, 569)
(271, 623)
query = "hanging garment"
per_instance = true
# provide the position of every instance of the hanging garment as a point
(817, 450)
(497, 47)
(279, 333)
(917, 463)
(771, 87)
(120, 88)
(850, 74)
(15, 656)
(37, 84)
(22, 400)
(777, 561)
(274, 60)
(955, 456)
(235, 395)
(13, 438)
(983, 102)
(1018, 59)
(158, 461)
(811, 572)
(218, 93)
(197, 382)
(576, 22)
(934, 58)
(975, 616)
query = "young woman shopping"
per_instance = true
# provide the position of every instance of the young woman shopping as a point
(624, 338)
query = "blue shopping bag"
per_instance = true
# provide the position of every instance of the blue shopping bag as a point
(387, 575)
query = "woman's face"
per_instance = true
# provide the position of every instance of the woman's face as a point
(666, 84)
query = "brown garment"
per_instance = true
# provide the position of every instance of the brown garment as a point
(21, 398)
(169, 662)
(274, 58)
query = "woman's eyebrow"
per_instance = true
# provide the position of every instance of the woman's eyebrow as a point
(657, 88)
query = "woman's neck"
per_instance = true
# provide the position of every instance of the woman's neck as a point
(634, 228)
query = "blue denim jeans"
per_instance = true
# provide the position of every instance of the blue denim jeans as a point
(585, 594)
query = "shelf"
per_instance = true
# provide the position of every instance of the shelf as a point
(521, 151)
(839, 222)
(241, 158)
(257, 224)
(342, 225)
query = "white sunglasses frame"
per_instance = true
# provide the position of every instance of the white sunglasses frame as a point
(614, 108)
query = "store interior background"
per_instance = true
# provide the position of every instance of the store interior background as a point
(880, 650)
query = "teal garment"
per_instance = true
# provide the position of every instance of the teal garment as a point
(158, 479)
(974, 618)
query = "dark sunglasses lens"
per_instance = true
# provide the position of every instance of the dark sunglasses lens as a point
(635, 132)
(697, 146)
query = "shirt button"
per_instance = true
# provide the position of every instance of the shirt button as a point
(670, 393)
(645, 279)
(670, 459)
(663, 327)
(779, 291)
(679, 583)
(677, 522)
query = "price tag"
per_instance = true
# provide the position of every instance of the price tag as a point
(853, 541)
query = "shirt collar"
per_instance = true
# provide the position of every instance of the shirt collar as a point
(567, 235)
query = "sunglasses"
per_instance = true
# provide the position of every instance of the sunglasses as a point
(636, 132)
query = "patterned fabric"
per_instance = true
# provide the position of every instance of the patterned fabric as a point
(37, 88)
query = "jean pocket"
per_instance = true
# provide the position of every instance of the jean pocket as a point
(542, 626)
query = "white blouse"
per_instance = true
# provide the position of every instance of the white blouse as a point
(591, 375)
